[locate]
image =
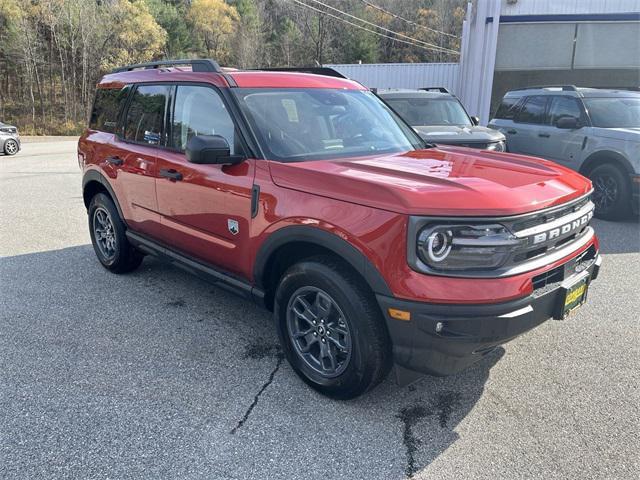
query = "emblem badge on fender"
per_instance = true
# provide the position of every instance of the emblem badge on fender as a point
(233, 226)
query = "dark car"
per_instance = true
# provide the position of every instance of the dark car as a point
(9, 139)
(308, 195)
(439, 117)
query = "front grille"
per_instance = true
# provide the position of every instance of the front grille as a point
(551, 279)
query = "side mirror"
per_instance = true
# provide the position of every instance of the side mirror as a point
(211, 149)
(475, 120)
(567, 123)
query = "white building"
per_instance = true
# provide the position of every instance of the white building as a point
(508, 44)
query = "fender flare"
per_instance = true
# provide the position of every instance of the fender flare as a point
(95, 176)
(611, 156)
(325, 239)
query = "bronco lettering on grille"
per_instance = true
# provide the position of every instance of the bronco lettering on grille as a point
(562, 230)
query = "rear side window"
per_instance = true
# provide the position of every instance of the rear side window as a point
(508, 108)
(564, 107)
(106, 108)
(146, 115)
(533, 110)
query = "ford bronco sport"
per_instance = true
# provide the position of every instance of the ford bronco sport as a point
(308, 195)
(591, 130)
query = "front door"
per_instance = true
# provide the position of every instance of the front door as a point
(565, 145)
(205, 209)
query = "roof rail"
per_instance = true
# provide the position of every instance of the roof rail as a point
(197, 65)
(565, 88)
(439, 89)
(326, 71)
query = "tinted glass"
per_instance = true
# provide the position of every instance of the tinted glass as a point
(308, 124)
(533, 110)
(614, 112)
(145, 117)
(200, 111)
(106, 108)
(430, 111)
(564, 107)
(508, 108)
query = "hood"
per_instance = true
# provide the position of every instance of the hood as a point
(630, 134)
(446, 181)
(452, 134)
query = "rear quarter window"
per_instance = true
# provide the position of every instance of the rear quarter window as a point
(106, 108)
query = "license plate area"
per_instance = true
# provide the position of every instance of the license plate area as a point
(572, 296)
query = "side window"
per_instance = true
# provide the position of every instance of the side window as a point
(145, 117)
(200, 111)
(508, 108)
(533, 110)
(564, 107)
(106, 108)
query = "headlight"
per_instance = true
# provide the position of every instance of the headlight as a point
(464, 247)
(497, 146)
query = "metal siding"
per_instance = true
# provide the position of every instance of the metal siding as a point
(568, 7)
(402, 75)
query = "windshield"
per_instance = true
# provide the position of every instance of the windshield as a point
(622, 112)
(423, 112)
(298, 124)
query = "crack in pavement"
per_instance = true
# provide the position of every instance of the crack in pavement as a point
(256, 398)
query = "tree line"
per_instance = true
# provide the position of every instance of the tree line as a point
(52, 52)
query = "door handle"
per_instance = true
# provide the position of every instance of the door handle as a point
(512, 132)
(115, 160)
(544, 135)
(171, 174)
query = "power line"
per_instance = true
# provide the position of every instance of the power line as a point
(363, 28)
(411, 22)
(397, 34)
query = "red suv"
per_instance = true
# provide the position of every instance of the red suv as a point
(307, 194)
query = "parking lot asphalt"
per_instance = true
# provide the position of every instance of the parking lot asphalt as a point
(156, 374)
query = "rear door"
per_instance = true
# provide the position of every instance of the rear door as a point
(206, 209)
(530, 125)
(135, 151)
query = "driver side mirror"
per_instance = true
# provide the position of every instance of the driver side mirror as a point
(475, 121)
(212, 150)
(567, 123)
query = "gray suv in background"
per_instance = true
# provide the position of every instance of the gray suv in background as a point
(593, 131)
(9, 139)
(439, 117)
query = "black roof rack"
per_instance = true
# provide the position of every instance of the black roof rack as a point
(565, 88)
(197, 65)
(326, 71)
(439, 89)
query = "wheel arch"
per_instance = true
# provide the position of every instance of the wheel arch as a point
(291, 244)
(94, 182)
(605, 156)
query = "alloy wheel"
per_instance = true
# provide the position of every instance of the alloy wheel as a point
(11, 147)
(605, 191)
(104, 233)
(319, 331)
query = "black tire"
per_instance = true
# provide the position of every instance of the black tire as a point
(115, 254)
(369, 355)
(612, 192)
(11, 147)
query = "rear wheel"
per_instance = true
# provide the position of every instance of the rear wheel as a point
(10, 147)
(331, 329)
(611, 192)
(108, 236)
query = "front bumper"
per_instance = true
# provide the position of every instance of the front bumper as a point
(444, 339)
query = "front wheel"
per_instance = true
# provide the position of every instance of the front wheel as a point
(611, 192)
(331, 328)
(10, 147)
